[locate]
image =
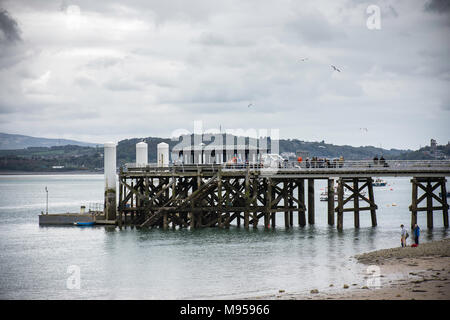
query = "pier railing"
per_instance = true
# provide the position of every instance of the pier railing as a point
(388, 165)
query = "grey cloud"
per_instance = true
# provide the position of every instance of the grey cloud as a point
(9, 28)
(215, 39)
(440, 6)
(103, 63)
(84, 82)
(313, 27)
(122, 85)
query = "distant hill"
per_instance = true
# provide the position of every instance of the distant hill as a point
(17, 141)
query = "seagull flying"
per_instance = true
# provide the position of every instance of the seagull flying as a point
(249, 105)
(336, 69)
(303, 59)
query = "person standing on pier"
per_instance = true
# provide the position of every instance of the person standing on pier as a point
(416, 234)
(403, 235)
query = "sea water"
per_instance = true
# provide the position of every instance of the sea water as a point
(40, 262)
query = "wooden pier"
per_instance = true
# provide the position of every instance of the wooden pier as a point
(198, 196)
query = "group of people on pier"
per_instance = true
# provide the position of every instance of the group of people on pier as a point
(316, 162)
(379, 162)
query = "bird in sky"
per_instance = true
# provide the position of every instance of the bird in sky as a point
(303, 59)
(335, 68)
(249, 105)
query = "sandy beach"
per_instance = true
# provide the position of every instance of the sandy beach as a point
(421, 273)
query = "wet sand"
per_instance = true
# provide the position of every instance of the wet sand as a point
(420, 273)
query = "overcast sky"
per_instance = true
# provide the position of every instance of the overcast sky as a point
(108, 70)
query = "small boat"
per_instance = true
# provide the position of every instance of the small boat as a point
(84, 224)
(347, 193)
(379, 183)
(448, 194)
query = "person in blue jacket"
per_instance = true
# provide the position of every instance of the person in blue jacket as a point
(416, 234)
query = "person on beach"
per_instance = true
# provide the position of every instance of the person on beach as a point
(416, 234)
(403, 235)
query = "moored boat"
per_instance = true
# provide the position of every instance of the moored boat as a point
(379, 183)
(84, 224)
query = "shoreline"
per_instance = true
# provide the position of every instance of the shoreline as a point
(421, 273)
(47, 173)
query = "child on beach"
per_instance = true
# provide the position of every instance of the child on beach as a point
(416, 234)
(403, 235)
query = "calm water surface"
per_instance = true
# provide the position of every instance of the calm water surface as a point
(180, 264)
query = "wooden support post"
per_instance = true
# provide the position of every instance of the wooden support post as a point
(132, 196)
(165, 221)
(273, 214)
(331, 202)
(429, 206)
(247, 201)
(301, 199)
(199, 220)
(268, 202)
(356, 202)
(310, 201)
(255, 219)
(413, 206)
(373, 214)
(444, 202)
(121, 204)
(291, 203)
(220, 199)
(192, 214)
(286, 204)
(340, 208)
(172, 197)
